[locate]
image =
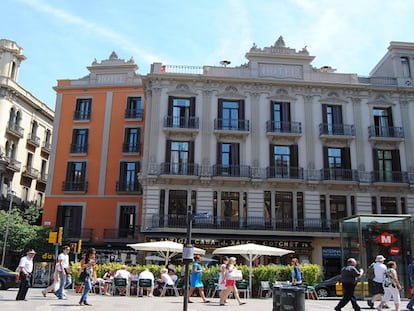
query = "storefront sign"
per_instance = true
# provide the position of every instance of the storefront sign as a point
(331, 252)
(394, 250)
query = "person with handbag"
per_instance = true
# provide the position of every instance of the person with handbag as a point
(87, 265)
(392, 286)
(230, 282)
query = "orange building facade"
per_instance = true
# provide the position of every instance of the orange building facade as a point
(93, 190)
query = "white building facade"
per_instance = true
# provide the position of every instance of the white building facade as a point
(25, 133)
(276, 151)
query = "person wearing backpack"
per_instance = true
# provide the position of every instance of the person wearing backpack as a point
(392, 286)
(375, 274)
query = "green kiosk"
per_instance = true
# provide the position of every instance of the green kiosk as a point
(366, 236)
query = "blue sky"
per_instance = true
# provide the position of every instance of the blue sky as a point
(60, 38)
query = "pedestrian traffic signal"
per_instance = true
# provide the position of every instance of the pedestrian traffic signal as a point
(79, 246)
(60, 235)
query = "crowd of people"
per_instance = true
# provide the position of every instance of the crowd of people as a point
(384, 284)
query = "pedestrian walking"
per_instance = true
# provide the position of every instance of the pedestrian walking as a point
(196, 279)
(63, 270)
(222, 276)
(392, 286)
(87, 264)
(25, 274)
(54, 286)
(410, 305)
(377, 289)
(230, 284)
(349, 276)
(296, 272)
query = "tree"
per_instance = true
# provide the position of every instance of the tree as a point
(23, 232)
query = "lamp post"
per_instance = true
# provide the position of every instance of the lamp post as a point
(188, 255)
(11, 193)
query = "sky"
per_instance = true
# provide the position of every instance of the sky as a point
(61, 38)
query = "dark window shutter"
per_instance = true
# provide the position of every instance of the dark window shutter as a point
(272, 155)
(168, 151)
(86, 136)
(220, 109)
(272, 110)
(191, 145)
(346, 158)
(325, 157)
(324, 114)
(234, 150)
(294, 155)
(192, 106)
(337, 114)
(396, 164)
(375, 159)
(389, 112)
(219, 162)
(285, 112)
(170, 105)
(59, 216)
(241, 110)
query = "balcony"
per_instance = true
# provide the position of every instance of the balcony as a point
(33, 140)
(131, 148)
(79, 148)
(339, 174)
(75, 186)
(221, 170)
(174, 221)
(73, 234)
(30, 172)
(15, 130)
(188, 126)
(14, 165)
(336, 132)
(284, 173)
(42, 177)
(235, 128)
(136, 114)
(393, 177)
(128, 187)
(46, 147)
(179, 169)
(82, 115)
(121, 235)
(291, 131)
(385, 134)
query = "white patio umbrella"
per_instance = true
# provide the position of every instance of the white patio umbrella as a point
(154, 258)
(251, 252)
(166, 249)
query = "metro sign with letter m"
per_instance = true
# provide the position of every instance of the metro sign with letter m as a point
(386, 239)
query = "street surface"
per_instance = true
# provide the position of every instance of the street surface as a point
(36, 302)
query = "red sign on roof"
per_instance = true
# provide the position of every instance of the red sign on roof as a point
(386, 239)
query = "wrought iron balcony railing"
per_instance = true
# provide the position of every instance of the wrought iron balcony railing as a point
(284, 127)
(78, 148)
(389, 176)
(75, 186)
(250, 223)
(385, 131)
(132, 186)
(84, 234)
(336, 129)
(176, 168)
(281, 172)
(181, 122)
(134, 114)
(15, 129)
(121, 233)
(339, 174)
(131, 148)
(34, 140)
(82, 115)
(231, 170)
(232, 125)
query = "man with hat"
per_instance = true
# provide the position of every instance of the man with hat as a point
(25, 274)
(377, 288)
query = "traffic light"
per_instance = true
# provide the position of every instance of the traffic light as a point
(79, 246)
(60, 235)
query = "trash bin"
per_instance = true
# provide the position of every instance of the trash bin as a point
(276, 291)
(292, 298)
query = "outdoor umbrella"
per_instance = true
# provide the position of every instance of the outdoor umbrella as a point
(166, 249)
(251, 252)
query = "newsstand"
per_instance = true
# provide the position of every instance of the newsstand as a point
(290, 298)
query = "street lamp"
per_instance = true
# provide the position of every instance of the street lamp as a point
(188, 255)
(11, 193)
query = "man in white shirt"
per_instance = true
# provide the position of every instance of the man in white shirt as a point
(62, 267)
(123, 273)
(146, 275)
(377, 288)
(25, 274)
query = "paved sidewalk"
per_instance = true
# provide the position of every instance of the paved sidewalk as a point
(37, 302)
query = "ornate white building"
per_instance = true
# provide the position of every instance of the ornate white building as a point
(25, 133)
(277, 151)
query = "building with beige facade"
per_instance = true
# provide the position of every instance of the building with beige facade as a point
(26, 126)
(276, 151)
